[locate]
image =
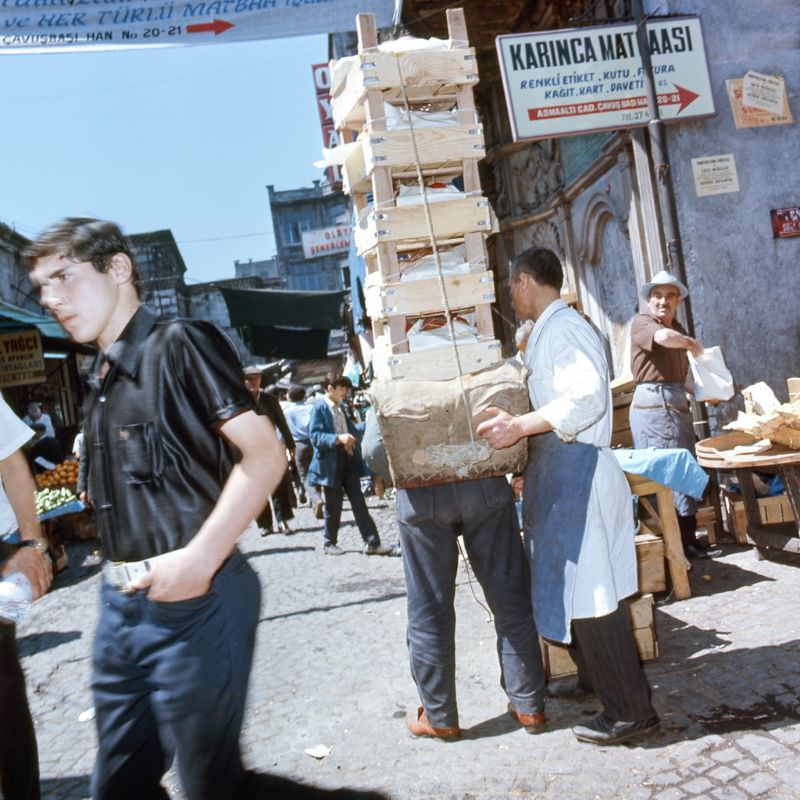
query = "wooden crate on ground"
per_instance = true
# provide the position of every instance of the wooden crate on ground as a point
(559, 664)
(770, 509)
(622, 395)
(650, 567)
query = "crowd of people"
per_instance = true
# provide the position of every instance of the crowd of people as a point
(187, 449)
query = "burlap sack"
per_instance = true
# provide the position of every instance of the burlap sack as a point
(425, 431)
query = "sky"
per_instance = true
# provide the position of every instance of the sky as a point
(185, 138)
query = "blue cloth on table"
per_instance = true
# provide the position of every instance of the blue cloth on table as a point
(673, 467)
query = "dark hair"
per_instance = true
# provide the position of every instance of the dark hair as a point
(543, 265)
(83, 240)
(297, 393)
(336, 382)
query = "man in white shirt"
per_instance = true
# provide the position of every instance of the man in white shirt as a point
(19, 766)
(577, 504)
(36, 414)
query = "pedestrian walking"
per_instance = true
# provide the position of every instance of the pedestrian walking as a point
(660, 414)
(180, 464)
(576, 501)
(430, 519)
(19, 761)
(298, 415)
(337, 467)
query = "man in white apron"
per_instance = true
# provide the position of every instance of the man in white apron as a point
(577, 505)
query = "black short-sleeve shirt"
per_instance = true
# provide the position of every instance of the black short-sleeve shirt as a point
(157, 461)
(650, 362)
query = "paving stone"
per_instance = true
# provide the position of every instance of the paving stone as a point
(758, 784)
(697, 786)
(723, 774)
(728, 793)
(745, 766)
(665, 779)
(763, 748)
(727, 755)
(670, 794)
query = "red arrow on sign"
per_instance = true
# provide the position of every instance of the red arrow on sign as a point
(216, 27)
(682, 97)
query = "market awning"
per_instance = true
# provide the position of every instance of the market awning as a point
(276, 323)
(13, 318)
(279, 307)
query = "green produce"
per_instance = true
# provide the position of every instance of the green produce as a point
(48, 499)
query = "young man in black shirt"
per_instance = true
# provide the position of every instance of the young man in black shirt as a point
(179, 465)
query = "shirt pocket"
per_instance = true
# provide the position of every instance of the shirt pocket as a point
(140, 452)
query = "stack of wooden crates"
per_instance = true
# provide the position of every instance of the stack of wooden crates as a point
(433, 80)
(430, 80)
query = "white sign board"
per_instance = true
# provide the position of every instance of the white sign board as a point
(326, 241)
(74, 25)
(764, 92)
(715, 175)
(560, 83)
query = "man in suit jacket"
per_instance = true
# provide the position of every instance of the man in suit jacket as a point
(337, 467)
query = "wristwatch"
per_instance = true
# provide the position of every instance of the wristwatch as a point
(37, 544)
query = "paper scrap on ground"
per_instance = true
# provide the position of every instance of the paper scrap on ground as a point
(763, 91)
(86, 716)
(318, 751)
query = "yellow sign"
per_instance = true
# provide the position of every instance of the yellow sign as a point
(751, 117)
(21, 358)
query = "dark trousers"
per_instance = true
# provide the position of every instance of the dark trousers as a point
(605, 653)
(349, 483)
(303, 453)
(19, 761)
(430, 520)
(171, 679)
(282, 500)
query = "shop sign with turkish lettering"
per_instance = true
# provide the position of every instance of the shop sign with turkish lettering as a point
(21, 358)
(565, 82)
(326, 241)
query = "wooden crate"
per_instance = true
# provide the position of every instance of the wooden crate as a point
(424, 296)
(430, 76)
(771, 509)
(437, 364)
(622, 395)
(441, 151)
(558, 662)
(407, 227)
(650, 567)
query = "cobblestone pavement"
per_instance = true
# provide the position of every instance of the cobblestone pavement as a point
(331, 668)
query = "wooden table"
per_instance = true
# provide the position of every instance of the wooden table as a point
(664, 513)
(718, 453)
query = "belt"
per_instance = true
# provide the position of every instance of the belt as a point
(120, 574)
(661, 406)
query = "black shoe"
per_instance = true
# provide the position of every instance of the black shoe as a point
(603, 730)
(698, 551)
(568, 689)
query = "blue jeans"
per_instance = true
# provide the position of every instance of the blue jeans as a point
(171, 679)
(430, 520)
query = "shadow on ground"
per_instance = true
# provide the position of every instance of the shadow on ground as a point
(39, 642)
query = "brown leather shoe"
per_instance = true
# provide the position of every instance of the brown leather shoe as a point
(419, 726)
(533, 723)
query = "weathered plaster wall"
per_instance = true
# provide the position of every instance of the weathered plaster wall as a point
(745, 285)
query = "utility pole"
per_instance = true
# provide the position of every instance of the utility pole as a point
(667, 210)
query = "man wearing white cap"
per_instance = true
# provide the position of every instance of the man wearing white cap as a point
(660, 415)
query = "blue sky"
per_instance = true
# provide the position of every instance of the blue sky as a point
(185, 138)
